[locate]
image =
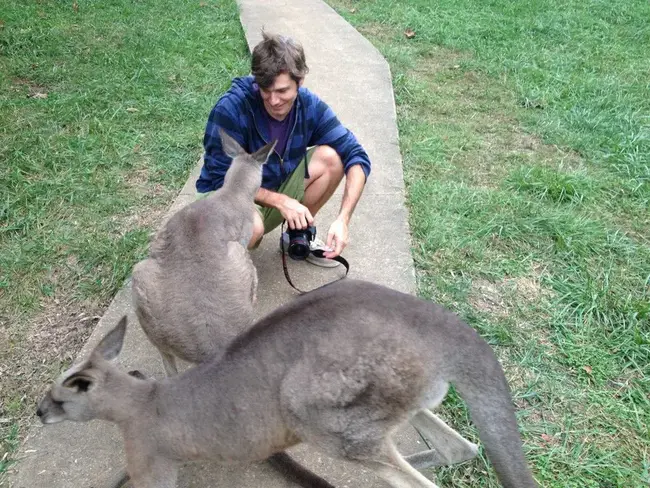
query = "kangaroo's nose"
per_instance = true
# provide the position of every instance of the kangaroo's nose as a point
(39, 412)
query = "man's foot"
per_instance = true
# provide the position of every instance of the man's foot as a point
(316, 244)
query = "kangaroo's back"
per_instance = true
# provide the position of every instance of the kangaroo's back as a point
(358, 343)
(197, 289)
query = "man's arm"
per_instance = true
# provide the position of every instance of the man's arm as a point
(215, 161)
(268, 198)
(295, 213)
(338, 234)
(328, 131)
(355, 181)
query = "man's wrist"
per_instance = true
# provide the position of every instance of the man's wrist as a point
(344, 217)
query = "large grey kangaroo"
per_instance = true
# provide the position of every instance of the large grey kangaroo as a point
(340, 368)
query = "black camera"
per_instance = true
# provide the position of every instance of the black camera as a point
(299, 240)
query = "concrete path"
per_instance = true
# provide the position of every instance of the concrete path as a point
(351, 76)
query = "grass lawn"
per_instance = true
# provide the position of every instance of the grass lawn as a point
(103, 106)
(525, 133)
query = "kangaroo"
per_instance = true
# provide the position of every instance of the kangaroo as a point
(340, 368)
(196, 291)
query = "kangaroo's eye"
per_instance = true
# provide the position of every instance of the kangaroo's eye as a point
(55, 402)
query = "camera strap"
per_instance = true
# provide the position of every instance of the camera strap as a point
(319, 253)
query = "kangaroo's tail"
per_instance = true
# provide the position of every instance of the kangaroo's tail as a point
(482, 384)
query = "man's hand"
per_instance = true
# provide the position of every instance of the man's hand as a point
(295, 213)
(337, 238)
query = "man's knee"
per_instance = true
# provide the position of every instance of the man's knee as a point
(258, 230)
(329, 159)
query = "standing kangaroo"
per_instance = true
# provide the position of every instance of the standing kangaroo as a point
(196, 291)
(340, 368)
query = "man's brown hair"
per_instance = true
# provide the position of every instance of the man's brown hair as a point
(275, 55)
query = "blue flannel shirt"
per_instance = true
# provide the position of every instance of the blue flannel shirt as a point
(239, 112)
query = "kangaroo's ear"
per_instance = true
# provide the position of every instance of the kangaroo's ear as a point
(111, 345)
(230, 146)
(79, 382)
(261, 155)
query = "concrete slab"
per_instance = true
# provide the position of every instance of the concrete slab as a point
(354, 79)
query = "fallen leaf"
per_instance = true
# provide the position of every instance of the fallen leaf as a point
(409, 33)
(456, 66)
(136, 148)
(75, 6)
(38, 95)
(131, 109)
(587, 369)
(203, 4)
(547, 438)
(353, 10)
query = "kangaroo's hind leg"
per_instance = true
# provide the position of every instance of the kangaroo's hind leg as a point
(448, 446)
(391, 466)
(169, 363)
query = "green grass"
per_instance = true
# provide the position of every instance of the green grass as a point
(103, 109)
(525, 135)
(9, 444)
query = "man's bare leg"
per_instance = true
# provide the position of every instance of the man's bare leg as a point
(258, 230)
(325, 174)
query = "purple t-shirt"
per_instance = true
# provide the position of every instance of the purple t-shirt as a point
(280, 129)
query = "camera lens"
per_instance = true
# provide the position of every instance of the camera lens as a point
(298, 245)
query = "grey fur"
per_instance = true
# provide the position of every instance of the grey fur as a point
(196, 290)
(340, 368)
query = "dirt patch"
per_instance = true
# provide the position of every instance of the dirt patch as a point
(499, 298)
(436, 61)
(32, 354)
(138, 179)
(145, 215)
(378, 31)
(487, 297)
(149, 218)
(31, 89)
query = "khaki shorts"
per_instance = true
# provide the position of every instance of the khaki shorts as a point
(293, 186)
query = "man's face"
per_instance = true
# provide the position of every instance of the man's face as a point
(279, 97)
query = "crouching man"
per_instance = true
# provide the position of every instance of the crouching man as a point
(313, 153)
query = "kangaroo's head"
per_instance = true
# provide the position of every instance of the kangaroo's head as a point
(87, 391)
(245, 172)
